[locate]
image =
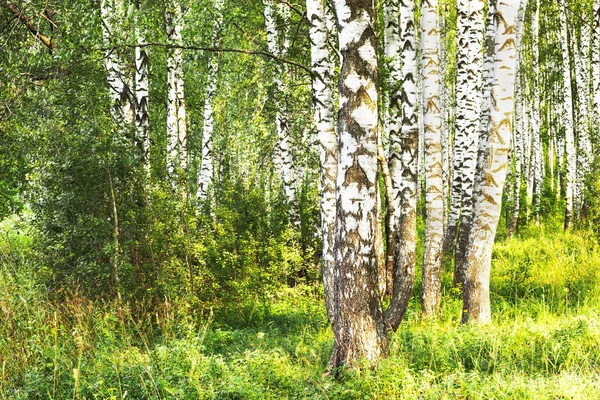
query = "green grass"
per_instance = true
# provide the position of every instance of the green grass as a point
(544, 343)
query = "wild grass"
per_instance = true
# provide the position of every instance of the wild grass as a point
(544, 342)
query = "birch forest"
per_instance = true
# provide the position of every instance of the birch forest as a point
(324, 199)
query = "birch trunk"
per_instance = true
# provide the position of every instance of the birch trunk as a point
(176, 113)
(471, 131)
(122, 108)
(283, 159)
(445, 115)
(323, 102)
(434, 184)
(596, 67)
(479, 253)
(584, 145)
(393, 127)
(360, 330)
(462, 26)
(404, 270)
(142, 120)
(207, 169)
(568, 118)
(536, 142)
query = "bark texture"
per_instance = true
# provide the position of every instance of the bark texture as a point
(323, 102)
(434, 184)
(479, 253)
(360, 330)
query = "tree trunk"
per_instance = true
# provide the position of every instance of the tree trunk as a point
(176, 113)
(472, 118)
(536, 140)
(568, 118)
(404, 271)
(359, 326)
(596, 67)
(393, 126)
(479, 253)
(207, 169)
(434, 184)
(323, 102)
(462, 28)
(142, 120)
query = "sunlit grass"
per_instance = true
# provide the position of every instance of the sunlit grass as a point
(544, 342)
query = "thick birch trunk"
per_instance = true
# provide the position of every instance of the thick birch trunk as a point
(323, 102)
(360, 330)
(207, 169)
(471, 131)
(176, 113)
(434, 183)
(404, 270)
(568, 118)
(479, 254)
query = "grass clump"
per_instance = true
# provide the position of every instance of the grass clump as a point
(544, 342)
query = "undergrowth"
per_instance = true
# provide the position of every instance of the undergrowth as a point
(544, 342)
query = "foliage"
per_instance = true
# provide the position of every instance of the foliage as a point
(543, 344)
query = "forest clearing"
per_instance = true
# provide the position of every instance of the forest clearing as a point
(325, 199)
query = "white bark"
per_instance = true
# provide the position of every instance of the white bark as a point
(434, 184)
(359, 327)
(142, 120)
(568, 118)
(176, 112)
(536, 141)
(596, 67)
(283, 158)
(474, 64)
(404, 270)
(323, 101)
(479, 253)
(207, 169)
(122, 107)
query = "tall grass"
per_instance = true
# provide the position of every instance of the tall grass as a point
(544, 343)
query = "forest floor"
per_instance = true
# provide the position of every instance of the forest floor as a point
(544, 342)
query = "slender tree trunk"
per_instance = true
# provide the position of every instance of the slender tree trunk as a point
(434, 183)
(445, 115)
(176, 112)
(568, 118)
(536, 140)
(479, 254)
(471, 131)
(404, 271)
(461, 86)
(207, 169)
(582, 75)
(393, 126)
(142, 120)
(596, 68)
(323, 101)
(360, 329)
(276, 17)
(122, 108)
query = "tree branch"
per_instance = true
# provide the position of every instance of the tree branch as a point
(30, 26)
(221, 50)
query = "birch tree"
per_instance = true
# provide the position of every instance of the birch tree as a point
(206, 174)
(404, 271)
(474, 64)
(142, 120)
(176, 112)
(568, 118)
(479, 252)
(323, 103)
(359, 327)
(536, 140)
(283, 159)
(434, 195)
(596, 65)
